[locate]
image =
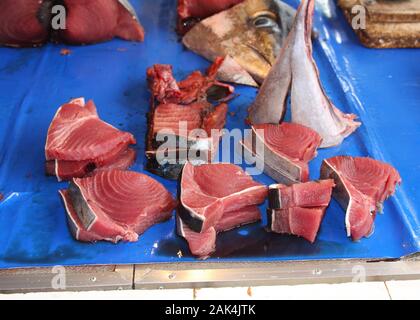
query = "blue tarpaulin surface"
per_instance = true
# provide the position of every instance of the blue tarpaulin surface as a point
(381, 86)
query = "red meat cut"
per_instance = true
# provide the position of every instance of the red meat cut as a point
(301, 222)
(286, 152)
(190, 11)
(23, 23)
(299, 209)
(363, 184)
(204, 244)
(209, 190)
(185, 113)
(115, 205)
(79, 142)
(92, 21)
(77, 133)
(195, 88)
(66, 170)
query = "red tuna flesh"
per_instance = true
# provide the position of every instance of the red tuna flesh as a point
(205, 195)
(300, 208)
(115, 205)
(204, 244)
(92, 21)
(302, 222)
(167, 117)
(363, 184)
(195, 88)
(194, 10)
(287, 150)
(184, 111)
(310, 194)
(203, 8)
(21, 23)
(77, 133)
(162, 84)
(67, 170)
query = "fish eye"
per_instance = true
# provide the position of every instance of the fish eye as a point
(265, 21)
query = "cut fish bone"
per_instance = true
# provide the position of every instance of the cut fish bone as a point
(295, 71)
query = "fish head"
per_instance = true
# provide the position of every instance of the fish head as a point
(252, 33)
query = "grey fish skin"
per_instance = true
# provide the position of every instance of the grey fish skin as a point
(251, 33)
(296, 71)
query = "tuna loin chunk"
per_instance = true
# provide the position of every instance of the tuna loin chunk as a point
(296, 70)
(300, 208)
(115, 205)
(91, 21)
(209, 190)
(24, 22)
(184, 124)
(363, 184)
(204, 244)
(216, 198)
(284, 149)
(79, 142)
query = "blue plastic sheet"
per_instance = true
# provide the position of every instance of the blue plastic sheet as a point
(381, 86)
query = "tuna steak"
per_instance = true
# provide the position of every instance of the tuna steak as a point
(204, 244)
(300, 208)
(363, 184)
(77, 133)
(78, 143)
(205, 195)
(288, 148)
(115, 205)
(91, 21)
(24, 23)
(296, 70)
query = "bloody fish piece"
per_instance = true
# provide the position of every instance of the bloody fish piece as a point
(192, 113)
(299, 209)
(77, 133)
(192, 11)
(67, 170)
(363, 184)
(194, 88)
(306, 195)
(295, 70)
(24, 23)
(301, 222)
(203, 244)
(115, 206)
(251, 33)
(205, 195)
(284, 149)
(92, 21)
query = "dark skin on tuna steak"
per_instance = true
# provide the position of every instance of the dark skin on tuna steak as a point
(251, 33)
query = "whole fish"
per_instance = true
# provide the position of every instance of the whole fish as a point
(296, 71)
(251, 33)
